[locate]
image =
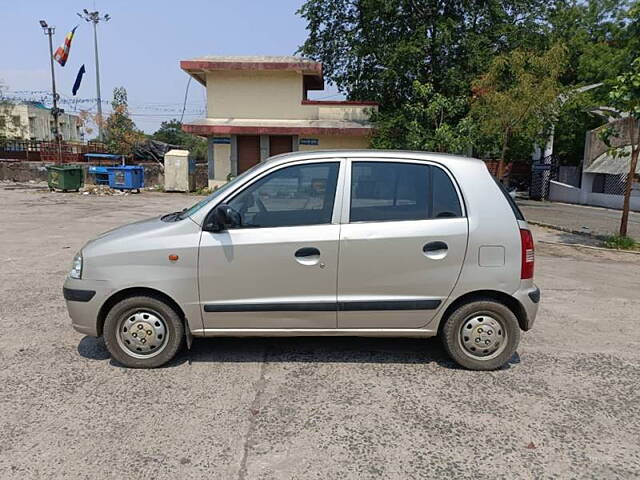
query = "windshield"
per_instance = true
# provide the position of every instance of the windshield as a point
(227, 186)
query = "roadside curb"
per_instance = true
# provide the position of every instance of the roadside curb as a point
(581, 245)
(570, 230)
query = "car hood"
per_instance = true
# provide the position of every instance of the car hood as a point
(125, 233)
(141, 226)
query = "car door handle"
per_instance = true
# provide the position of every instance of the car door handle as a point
(435, 250)
(308, 255)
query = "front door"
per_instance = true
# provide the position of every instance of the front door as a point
(279, 268)
(248, 151)
(402, 249)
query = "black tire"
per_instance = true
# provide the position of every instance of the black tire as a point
(172, 326)
(452, 335)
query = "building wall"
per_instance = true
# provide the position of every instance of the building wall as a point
(35, 123)
(222, 156)
(334, 142)
(270, 95)
(562, 192)
(257, 94)
(594, 146)
(223, 161)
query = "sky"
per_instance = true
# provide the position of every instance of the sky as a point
(141, 48)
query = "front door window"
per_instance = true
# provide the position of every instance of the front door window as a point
(292, 196)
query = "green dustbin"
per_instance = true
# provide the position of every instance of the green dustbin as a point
(65, 177)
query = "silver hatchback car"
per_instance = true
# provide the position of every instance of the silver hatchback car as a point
(360, 243)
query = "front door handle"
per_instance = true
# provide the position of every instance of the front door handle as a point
(435, 250)
(308, 256)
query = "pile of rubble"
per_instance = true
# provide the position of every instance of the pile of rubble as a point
(101, 190)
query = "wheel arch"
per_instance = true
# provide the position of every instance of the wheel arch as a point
(133, 291)
(504, 298)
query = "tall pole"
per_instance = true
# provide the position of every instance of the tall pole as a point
(95, 18)
(49, 31)
(95, 44)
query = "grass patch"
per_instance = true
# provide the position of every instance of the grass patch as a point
(621, 243)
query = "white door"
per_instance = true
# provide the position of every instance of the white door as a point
(279, 268)
(402, 248)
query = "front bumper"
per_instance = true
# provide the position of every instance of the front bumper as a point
(84, 299)
(529, 298)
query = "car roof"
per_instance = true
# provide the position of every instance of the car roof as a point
(442, 158)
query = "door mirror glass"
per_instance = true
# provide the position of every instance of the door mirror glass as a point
(221, 218)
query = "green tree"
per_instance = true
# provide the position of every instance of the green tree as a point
(427, 122)
(378, 49)
(171, 132)
(625, 96)
(518, 96)
(121, 133)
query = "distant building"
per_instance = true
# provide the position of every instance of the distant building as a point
(33, 121)
(258, 107)
(603, 174)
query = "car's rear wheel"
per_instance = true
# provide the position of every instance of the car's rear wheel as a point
(481, 335)
(143, 332)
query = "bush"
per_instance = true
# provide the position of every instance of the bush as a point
(621, 243)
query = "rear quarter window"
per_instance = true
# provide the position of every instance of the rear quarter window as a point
(512, 203)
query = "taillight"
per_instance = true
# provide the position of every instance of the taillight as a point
(528, 255)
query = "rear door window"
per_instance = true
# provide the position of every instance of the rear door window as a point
(396, 191)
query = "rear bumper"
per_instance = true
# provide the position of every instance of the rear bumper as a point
(84, 299)
(529, 298)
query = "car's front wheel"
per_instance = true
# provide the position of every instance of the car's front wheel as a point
(481, 335)
(143, 332)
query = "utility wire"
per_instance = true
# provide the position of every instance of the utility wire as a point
(184, 105)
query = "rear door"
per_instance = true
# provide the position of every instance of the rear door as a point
(402, 243)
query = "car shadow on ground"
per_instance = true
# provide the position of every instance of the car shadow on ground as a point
(300, 349)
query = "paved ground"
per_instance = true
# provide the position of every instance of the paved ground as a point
(566, 407)
(594, 220)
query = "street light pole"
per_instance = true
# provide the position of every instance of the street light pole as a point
(49, 31)
(95, 18)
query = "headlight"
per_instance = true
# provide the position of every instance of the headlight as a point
(76, 269)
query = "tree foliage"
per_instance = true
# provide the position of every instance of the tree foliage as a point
(391, 50)
(121, 133)
(429, 122)
(518, 96)
(171, 132)
(625, 96)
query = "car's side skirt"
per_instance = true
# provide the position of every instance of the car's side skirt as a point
(341, 306)
(312, 332)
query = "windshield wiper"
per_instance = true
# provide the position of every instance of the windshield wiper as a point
(173, 216)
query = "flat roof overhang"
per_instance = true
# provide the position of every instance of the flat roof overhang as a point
(197, 67)
(611, 164)
(209, 127)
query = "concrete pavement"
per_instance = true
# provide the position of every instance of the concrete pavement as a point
(308, 408)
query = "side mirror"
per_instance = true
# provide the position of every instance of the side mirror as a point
(221, 218)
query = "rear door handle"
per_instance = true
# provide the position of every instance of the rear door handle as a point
(307, 252)
(307, 255)
(435, 250)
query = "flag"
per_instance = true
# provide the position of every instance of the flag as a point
(62, 53)
(76, 84)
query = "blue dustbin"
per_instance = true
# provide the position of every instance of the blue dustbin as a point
(126, 177)
(100, 174)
